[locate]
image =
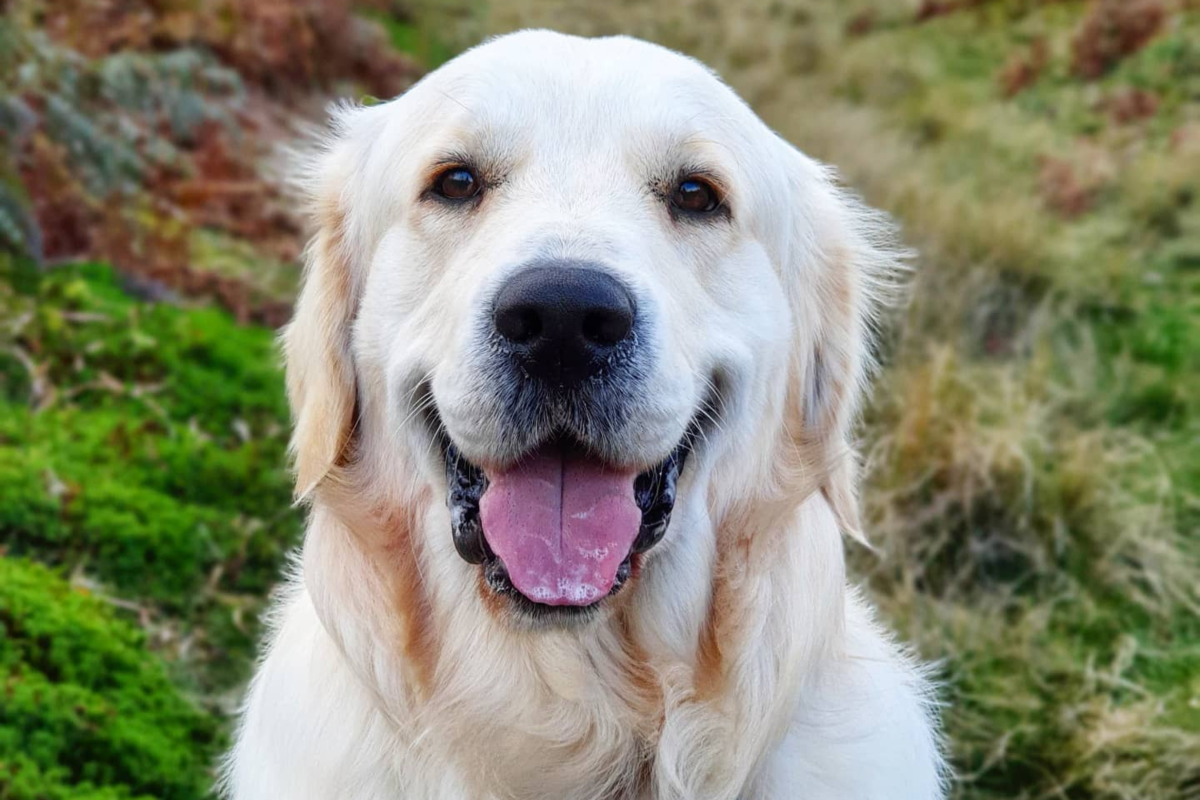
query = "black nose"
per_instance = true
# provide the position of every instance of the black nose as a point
(563, 320)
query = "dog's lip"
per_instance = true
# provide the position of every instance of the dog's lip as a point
(447, 443)
(495, 576)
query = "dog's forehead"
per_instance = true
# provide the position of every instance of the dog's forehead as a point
(561, 83)
(540, 61)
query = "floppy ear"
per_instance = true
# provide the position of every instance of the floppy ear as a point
(316, 343)
(846, 263)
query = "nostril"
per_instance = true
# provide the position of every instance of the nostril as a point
(519, 324)
(531, 324)
(607, 326)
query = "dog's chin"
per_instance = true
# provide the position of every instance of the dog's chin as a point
(558, 532)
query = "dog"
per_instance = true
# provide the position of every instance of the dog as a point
(573, 372)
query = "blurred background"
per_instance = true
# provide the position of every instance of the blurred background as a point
(1033, 463)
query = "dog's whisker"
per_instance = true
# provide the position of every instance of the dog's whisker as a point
(427, 402)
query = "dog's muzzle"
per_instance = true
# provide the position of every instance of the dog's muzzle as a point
(560, 522)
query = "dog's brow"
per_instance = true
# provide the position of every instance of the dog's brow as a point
(451, 157)
(715, 168)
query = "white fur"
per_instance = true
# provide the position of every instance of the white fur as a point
(739, 665)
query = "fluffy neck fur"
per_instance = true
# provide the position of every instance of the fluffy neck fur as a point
(680, 690)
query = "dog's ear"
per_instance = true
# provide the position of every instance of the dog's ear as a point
(316, 343)
(842, 263)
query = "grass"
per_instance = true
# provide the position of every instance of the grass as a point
(1032, 477)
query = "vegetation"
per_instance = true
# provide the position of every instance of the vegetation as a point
(145, 501)
(1033, 480)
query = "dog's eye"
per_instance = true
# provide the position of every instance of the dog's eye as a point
(696, 196)
(457, 183)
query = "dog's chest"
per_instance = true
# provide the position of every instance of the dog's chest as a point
(583, 730)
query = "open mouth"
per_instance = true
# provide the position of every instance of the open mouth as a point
(559, 530)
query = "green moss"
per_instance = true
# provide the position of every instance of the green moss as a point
(195, 367)
(26, 504)
(168, 459)
(151, 459)
(85, 705)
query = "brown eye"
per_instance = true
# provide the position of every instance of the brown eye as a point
(457, 183)
(696, 196)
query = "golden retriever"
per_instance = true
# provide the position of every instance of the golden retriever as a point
(573, 373)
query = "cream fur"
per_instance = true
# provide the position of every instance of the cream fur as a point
(739, 664)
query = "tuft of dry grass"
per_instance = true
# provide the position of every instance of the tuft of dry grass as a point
(980, 485)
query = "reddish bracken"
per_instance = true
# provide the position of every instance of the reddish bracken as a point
(289, 54)
(1111, 31)
(59, 202)
(861, 23)
(1131, 105)
(1061, 189)
(935, 8)
(1023, 68)
(1070, 187)
(940, 8)
(282, 45)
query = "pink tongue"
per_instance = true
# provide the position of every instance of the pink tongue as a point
(562, 524)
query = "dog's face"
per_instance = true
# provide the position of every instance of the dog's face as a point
(567, 284)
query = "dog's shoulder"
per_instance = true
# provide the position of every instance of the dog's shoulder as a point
(309, 728)
(867, 729)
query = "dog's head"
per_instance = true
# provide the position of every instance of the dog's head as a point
(571, 289)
